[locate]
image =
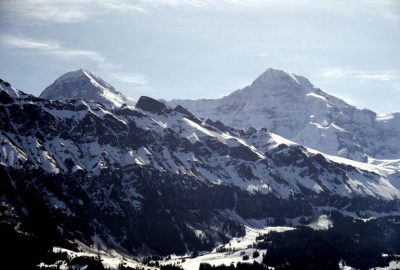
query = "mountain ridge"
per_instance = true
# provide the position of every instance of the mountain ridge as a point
(156, 180)
(292, 107)
(249, 145)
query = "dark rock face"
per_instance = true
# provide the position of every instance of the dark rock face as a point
(5, 98)
(187, 114)
(184, 111)
(99, 206)
(243, 152)
(151, 105)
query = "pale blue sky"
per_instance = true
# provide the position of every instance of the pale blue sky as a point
(206, 48)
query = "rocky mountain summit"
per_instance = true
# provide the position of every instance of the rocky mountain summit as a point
(82, 84)
(290, 106)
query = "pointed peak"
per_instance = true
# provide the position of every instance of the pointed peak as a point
(86, 73)
(74, 74)
(83, 84)
(82, 74)
(276, 76)
(274, 71)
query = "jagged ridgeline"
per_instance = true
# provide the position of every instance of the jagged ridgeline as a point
(152, 179)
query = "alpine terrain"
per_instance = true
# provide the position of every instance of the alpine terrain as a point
(89, 181)
(289, 105)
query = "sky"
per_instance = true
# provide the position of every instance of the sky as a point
(192, 49)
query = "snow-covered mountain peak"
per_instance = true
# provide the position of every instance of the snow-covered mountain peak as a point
(289, 105)
(83, 75)
(72, 75)
(82, 84)
(278, 80)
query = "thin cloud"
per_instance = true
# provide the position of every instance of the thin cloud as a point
(375, 76)
(137, 79)
(49, 47)
(71, 11)
(26, 43)
(52, 48)
(339, 73)
(61, 11)
(333, 73)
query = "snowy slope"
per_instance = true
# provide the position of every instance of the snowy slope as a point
(180, 143)
(289, 105)
(159, 180)
(82, 84)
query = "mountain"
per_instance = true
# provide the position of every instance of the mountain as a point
(159, 180)
(289, 105)
(82, 84)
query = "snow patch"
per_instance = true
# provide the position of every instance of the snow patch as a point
(322, 223)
